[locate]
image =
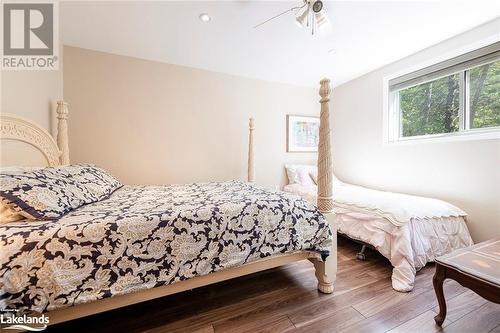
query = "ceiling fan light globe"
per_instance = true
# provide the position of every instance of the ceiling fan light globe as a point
(302, 18)
(321, 19)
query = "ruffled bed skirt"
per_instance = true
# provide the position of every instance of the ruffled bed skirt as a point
(409, 247)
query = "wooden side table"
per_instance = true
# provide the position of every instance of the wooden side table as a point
(476, 267)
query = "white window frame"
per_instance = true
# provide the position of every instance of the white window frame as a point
(391, 115)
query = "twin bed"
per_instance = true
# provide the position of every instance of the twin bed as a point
(409, 231)
(74, 241)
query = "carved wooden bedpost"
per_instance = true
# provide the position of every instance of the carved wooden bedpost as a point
(326, 271)
(325, 170)
(62, 131)
(251, 166)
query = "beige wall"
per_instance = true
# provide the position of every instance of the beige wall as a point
(152, 123)
(32, 94)
(465, 173)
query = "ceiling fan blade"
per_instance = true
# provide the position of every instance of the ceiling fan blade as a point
(280, 14)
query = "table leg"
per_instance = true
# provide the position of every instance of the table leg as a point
(437, 281)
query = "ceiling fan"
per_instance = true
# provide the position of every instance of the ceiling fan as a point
(309, 14)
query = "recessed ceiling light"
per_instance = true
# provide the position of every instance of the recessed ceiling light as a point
(204, 17)
(332, 51)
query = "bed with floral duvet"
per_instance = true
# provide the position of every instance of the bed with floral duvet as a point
(74, 234)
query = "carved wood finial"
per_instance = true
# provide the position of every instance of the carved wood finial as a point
(62, 131)
(325, 89)
(325, 169)
(251, 166)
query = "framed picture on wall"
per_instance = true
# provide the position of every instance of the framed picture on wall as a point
(302, 134)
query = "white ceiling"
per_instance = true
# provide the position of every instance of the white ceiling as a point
(364, 35)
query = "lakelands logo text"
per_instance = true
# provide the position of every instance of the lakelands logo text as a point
(9, 320)
(30, 36)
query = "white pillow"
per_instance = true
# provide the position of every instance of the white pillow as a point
(291, 173)
(300, 174)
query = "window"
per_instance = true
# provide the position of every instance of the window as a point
(460, 96)
(484, 95)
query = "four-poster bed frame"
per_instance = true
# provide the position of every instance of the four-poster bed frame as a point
(14, 128)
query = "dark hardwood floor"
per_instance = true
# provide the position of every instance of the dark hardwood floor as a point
(286, 300)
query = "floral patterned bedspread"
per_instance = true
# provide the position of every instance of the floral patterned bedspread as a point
(146, 236)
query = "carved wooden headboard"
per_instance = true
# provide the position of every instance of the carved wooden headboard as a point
(24, 143)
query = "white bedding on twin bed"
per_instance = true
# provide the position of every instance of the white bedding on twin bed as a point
(398, 208)
(408, 246)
